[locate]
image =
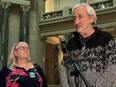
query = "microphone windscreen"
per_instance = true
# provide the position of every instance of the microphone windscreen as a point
(62, 38)
(63, 43)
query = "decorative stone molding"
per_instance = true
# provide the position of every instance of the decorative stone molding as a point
(25, 7)
(5, 4)
(64, 24)
(66, 11)
(23, 2)
(102, 4)
(106, 17)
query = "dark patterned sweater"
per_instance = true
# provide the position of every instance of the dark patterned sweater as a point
(19, 77)
(96, 56)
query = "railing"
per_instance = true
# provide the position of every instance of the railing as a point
(102, 5)
(51, 15)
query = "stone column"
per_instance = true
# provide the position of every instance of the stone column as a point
(24, 24)
(4, 32)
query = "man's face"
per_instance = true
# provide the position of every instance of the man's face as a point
(82, 20)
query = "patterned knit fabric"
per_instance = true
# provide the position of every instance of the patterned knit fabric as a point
(96, 59)
(19, 77)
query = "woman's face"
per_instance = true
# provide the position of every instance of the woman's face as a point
(21, 51)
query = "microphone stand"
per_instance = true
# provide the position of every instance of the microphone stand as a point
(77, 67)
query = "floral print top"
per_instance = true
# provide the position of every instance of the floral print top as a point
(20, 77)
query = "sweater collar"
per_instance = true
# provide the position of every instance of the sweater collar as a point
(76, 34)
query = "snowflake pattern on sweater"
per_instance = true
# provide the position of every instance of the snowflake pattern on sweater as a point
(97, 61)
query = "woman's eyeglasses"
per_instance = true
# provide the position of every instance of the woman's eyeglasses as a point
(22, 48)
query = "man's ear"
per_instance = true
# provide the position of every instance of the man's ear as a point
(92, 18)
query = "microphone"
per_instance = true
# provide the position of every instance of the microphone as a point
(63, 43)
(68, 60)
(75, 68)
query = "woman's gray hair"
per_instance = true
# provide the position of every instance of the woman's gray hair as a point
(90, 10)
(11, 59)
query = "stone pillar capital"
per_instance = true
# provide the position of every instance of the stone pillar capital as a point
(5, 4)
(25, 7)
